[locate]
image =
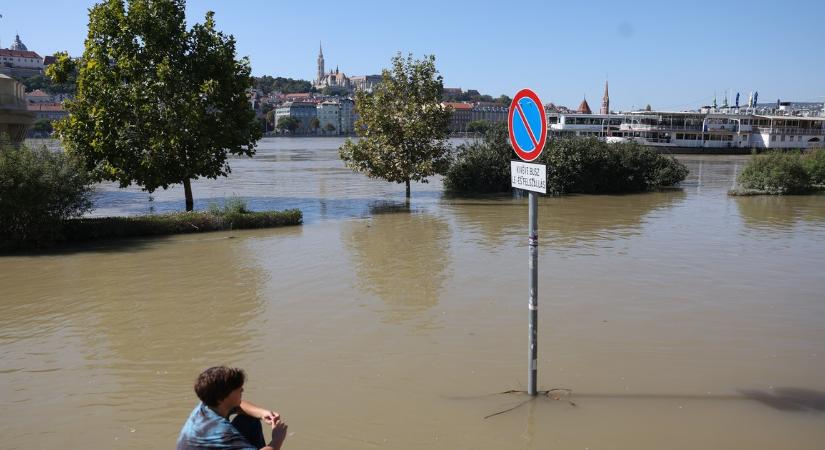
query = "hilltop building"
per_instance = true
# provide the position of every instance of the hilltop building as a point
(336, 78)
(331, 79)
(18, 60)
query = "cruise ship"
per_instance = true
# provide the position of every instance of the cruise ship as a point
(709, 130)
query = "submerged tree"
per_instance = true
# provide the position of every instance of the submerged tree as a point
(157, 104)
(402, 125)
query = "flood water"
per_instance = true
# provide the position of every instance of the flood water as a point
(681, 319)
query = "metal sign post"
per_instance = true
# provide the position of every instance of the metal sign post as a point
(528, 133)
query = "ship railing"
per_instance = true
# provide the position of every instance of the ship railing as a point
(641, 127)
(790, 130)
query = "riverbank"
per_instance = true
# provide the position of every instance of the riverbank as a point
(92, 228)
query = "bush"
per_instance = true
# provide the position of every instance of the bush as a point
(577, 165)
(231, 206)
(590, 166)
(39, 188)
(776, 173)
(176, 223)
(814, 163)
(482, 166)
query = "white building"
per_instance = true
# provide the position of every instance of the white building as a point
(329, 117)
(347, 116)
(18, 59)
(304, 112)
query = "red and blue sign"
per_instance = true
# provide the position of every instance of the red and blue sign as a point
(528, 125)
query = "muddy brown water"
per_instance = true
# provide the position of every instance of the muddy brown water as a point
(681, 319)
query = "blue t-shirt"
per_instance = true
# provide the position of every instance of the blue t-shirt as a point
(205, 429)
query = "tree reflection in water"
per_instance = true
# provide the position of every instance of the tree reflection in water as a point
(400, 256)
(565, 222)
(780, 212)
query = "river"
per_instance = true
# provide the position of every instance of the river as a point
(680, 319)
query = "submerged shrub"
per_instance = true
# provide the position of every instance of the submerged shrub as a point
(482, 166)
(814, 163)
(575, 165)
(776, 173)
(231, 206)
(39, 188)
(590, 166)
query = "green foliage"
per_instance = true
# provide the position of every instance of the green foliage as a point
(402, 126)
(585, 166)
(157, 104)
(339, 91)
(478, 126)
(43, 126)
(482, 166)
(270, 117)
(315, 123)
(268, 84)
(39, 189)
(814, 162)
(776, 173)
(590, 166)
(288, 123)
(177, 223)
(66, 84)
(329, 128)
(233, 205)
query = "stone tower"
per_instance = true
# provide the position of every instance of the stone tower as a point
(605, 109)
(320, 64)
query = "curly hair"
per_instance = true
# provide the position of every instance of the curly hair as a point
(216, 383)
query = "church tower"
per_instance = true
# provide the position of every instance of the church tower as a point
(320, 64)
(605, 101)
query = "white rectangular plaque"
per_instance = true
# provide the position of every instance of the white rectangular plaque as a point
(530, 177)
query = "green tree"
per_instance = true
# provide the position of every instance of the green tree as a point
(478, 126)
(39, 189)
(288, 123)
(315, 124)
(504, 100)
(329, 128)
(339, 91)
(157, 104)
(402, 126)
(270, 117)
(43, 126)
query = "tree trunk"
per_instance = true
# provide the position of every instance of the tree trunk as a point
(187, 188)
(408, 190)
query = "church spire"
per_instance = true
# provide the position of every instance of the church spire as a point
(605, 109)
(320, 77)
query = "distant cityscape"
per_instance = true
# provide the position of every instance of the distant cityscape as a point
(326, 107)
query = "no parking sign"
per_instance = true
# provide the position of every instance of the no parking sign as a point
(528, 125)
(528, 133)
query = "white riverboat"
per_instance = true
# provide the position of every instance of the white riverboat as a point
(729, 130)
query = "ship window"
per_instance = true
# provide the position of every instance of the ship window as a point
(773, 137)
(782, 139)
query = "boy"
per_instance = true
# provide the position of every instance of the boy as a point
(220, 390)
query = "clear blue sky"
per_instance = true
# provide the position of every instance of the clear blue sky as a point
(673, 55)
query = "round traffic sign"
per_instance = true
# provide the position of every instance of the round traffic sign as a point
(528, 125)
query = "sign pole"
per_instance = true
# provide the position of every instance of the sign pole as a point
(533, 241)
(527, 125)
